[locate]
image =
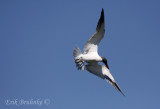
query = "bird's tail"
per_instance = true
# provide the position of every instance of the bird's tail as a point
(79, 63)
(76, 52)
(114, 84)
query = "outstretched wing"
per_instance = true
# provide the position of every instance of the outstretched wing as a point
(102, 72)
(94, 68)
(108, 76)
(93, 42)
(114, 84)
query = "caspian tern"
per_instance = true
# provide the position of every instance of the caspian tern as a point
(91, 56)
(91, 47)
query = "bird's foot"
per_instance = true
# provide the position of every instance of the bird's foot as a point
(79, 63)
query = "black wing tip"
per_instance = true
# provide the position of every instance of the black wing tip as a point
(114, 84)
(102, 12)
(101, 20)
(117, 87)
(102, 16)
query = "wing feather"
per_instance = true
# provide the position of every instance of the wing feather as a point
(93, 42)
(95, 68)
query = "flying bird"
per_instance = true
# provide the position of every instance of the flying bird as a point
(91, 56)
(91, 47)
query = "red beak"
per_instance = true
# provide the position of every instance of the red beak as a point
(107, 66)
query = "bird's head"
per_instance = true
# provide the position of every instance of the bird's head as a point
(104, 60)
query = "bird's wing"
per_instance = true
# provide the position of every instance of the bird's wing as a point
(93, 42)
(94, 68)
(108, 76)
(114, 84)
(102, 72)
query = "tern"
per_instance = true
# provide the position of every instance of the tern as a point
(91, 56)
(91, 47)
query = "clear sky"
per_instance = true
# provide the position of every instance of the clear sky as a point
(37, 38)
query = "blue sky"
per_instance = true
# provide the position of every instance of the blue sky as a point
(37, 39)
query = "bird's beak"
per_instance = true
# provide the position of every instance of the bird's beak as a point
(107, 66)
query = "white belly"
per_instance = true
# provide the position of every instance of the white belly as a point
(91, 57)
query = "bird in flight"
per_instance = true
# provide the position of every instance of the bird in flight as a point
(91, 56)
